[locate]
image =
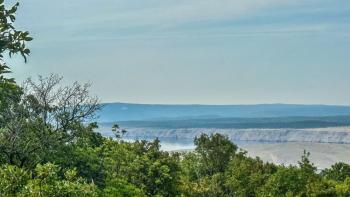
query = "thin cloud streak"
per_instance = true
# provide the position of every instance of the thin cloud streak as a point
(219, 34)
(252, 51)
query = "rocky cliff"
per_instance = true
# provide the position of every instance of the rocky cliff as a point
(324, 135)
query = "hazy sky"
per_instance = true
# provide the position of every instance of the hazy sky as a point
(194, 51)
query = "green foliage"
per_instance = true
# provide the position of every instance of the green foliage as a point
(12, 180)
(215, 152)
(338, 172)
(307, 168)
(142, 164)
(322, 187)
(245, 175)
(9, 92)
(343, 189)
(48, 183)
(121, 188)
(205, 186)
(47, 120)
(12, 40)
(203, 170)
(287, 181)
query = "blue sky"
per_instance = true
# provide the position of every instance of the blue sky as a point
(194, 51)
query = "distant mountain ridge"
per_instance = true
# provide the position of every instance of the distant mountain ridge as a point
(114, 112)
(241, 123)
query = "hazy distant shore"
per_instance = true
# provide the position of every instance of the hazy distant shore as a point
(281, 146)
(323, 155)
(339, 135)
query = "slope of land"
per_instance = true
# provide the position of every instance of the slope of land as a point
(323, 135)
(124, 111)
(242, 123)
(323, 155)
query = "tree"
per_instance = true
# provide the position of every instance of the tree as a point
(12, 41)
(203, 170)
(12, 180)
(307, 168)
(323, 187)
(45, 181)
(343, 189)
(292, 180)
(10, 94)
(143, 165)
(48, 118)
(245, 176)
(215, 152)
(121, 188)
(287, 181)
(338, 172)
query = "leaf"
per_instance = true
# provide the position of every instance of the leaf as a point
(26, 51)
(24, 57)
(26, 33)
(28, 39)
(12, 18)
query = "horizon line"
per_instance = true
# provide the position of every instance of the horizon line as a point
(188, 104)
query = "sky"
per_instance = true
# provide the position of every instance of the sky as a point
(193, 51)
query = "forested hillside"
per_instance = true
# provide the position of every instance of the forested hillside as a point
(156, 112)
(242, 123)
(48, 147)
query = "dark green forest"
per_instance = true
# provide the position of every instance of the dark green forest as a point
(49, 147)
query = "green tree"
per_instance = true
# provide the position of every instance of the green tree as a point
(343, 189)
(12, 180)
(322, 187)
(12, 41)
(287, 181)
(215, 152)
(47, 182)
(48, 118)
(246, 175)
(338, 172)
(307, 168)
(292, 180)
(207, 186)
(143, 165)
(121, 188)
(203, 170)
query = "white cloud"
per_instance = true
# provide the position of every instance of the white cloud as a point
(185, 11)
(120, 19)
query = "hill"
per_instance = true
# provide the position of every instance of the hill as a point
(113, 112)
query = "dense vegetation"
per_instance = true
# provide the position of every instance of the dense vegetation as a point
(48, 147)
